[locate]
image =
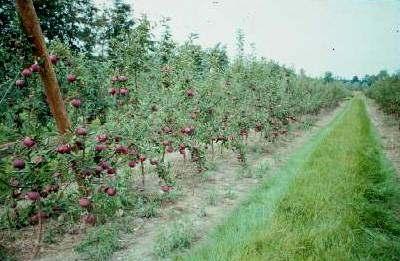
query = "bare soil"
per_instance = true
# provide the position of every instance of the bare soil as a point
(388, 129)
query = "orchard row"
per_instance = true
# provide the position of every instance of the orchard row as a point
(131, 110)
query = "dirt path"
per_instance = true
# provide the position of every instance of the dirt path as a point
(389, 133)
(215, 196)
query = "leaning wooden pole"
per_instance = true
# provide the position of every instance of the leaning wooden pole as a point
(33, 30)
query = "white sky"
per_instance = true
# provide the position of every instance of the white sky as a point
(297, 33)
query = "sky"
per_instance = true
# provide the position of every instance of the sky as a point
(346, 37)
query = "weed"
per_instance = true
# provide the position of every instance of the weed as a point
(256, 149)
(148, 210)
(52, 234)
(230, 193)
(211, 166)
(245, 172)
(178, 236)
(261, 169)
(173, 195)
(308, 123)
(99, 244)
(207, 176)
(212, 197)
(202, 212)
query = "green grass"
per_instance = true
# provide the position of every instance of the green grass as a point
(99, 244)
(177, 236)
(334, 200)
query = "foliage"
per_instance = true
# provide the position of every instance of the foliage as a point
(67, 21)
(4, 255)
(196, 100)
(386, 91)
(120, 19)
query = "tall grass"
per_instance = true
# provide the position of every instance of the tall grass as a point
(334, 200)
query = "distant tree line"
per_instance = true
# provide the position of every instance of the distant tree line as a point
(358, 83)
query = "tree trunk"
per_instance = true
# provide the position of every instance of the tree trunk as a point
(33, 30)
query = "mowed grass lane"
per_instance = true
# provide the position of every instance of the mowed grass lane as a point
(334, 200)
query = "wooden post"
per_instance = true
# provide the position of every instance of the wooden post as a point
(33, 30)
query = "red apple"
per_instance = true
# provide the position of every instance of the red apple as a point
(53, 59)
(64, 149)
(89, 219)
(132, 164)
(71, 78)
(100, 147)
(28, 142)
(188, 130)
(123, 91)
(76, 103)
(34, 219)
(35, 67)
(120, 149)
(111, 171)
(101, 138)
(142, 158)
(33, 195)
(81, 131)
(18, 164)
(111, 191)
(166, 188)
(26, 72)
(84, 202)
(105, 165)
